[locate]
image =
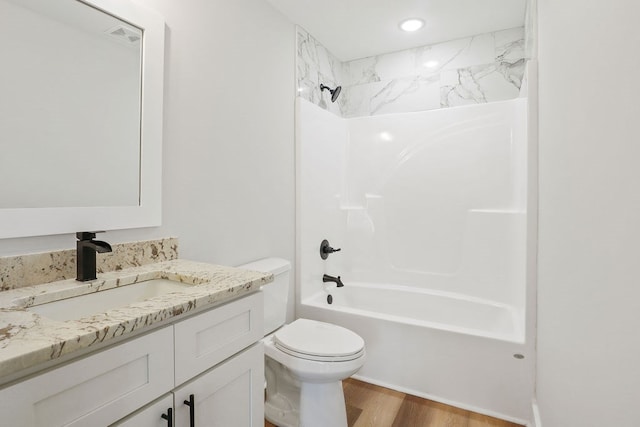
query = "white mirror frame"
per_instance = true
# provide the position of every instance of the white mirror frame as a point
(24, 222)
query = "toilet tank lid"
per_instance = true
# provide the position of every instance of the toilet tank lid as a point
(268, 265)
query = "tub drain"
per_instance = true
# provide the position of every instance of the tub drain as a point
(329, 299)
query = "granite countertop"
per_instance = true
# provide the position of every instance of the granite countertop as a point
(28, 339)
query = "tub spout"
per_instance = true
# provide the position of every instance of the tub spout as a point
(336, 280)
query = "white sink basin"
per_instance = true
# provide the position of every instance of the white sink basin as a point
(99, 302)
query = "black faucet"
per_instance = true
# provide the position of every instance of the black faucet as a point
(336, 280)
(86, 254)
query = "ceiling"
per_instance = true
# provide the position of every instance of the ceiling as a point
(353, 29)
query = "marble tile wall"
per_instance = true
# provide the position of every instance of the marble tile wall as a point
(315, 65)
(35, 269)
(484, 68)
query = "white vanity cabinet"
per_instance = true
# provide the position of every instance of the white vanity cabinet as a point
(230, 395)
(91, 391)
(207, 339)
(214, 356)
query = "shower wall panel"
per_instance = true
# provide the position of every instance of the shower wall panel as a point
(438, 197)
(321, 153)
(433, 200)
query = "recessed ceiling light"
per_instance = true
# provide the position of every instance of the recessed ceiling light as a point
(431, 64)
(412, 24)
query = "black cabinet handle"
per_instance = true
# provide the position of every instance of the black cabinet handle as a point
(169, 417)
(192, 410)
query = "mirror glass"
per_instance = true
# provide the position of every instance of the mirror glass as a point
(70, 109)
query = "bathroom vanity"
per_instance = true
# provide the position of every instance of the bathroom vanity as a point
(191, 353)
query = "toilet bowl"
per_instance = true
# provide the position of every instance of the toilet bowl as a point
(305, 361)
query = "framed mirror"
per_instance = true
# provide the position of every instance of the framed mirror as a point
(80, 116)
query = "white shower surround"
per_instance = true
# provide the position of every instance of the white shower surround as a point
(430, 210)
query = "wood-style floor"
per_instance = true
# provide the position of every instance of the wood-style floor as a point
(372, 406)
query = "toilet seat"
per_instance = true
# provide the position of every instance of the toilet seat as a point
(318, 341)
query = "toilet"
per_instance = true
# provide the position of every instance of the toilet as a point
(305, 360)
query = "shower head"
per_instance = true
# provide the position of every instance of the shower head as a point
(334, 92)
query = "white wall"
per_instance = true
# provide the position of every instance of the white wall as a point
(589, 251)
(228, 189)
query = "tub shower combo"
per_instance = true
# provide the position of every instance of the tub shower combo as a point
(430, 210)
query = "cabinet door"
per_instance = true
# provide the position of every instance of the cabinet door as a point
(97, 390)
(229, 395)
(207, 339)
(151, 415)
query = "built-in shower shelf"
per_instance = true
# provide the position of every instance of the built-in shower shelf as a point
(367, 196)
(498, 211)
(353, 208)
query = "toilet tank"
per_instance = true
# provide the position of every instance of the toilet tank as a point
(276, 293)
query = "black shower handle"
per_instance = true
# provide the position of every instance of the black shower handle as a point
(326, 249)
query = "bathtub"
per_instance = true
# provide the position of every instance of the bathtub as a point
(458, 350)
(426, 308)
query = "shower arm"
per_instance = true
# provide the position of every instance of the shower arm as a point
(334, 92)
